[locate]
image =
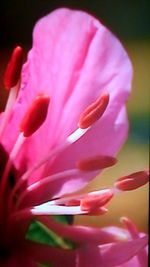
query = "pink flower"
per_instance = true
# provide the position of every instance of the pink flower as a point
(66, 125)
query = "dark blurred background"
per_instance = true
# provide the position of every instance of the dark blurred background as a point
(130, 21)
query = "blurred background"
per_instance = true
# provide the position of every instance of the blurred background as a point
(130, 21)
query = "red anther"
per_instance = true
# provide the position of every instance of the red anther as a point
(92, 203)
(94, 111)
(96, 163)
(35, 115)
(132, 181)
(13, 69)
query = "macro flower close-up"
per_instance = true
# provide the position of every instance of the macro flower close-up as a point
(64, 122)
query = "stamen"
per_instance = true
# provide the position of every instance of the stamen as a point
(132, 181)
(13, 70)
(43, 182)
(94, 111)
(76, 135)
(88, 204)
(94, 202)
(48, 209)
(96, 163)
(26, 175)
(35, 115)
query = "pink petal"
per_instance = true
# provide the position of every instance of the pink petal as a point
(73, 60)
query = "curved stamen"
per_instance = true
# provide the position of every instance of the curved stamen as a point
(85, 165)
(76, 135)
(49, 209)
(90, 203)
(68, 200)
(45, 209)
(45, 181)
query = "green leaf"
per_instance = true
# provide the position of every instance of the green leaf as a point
(39, 233)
